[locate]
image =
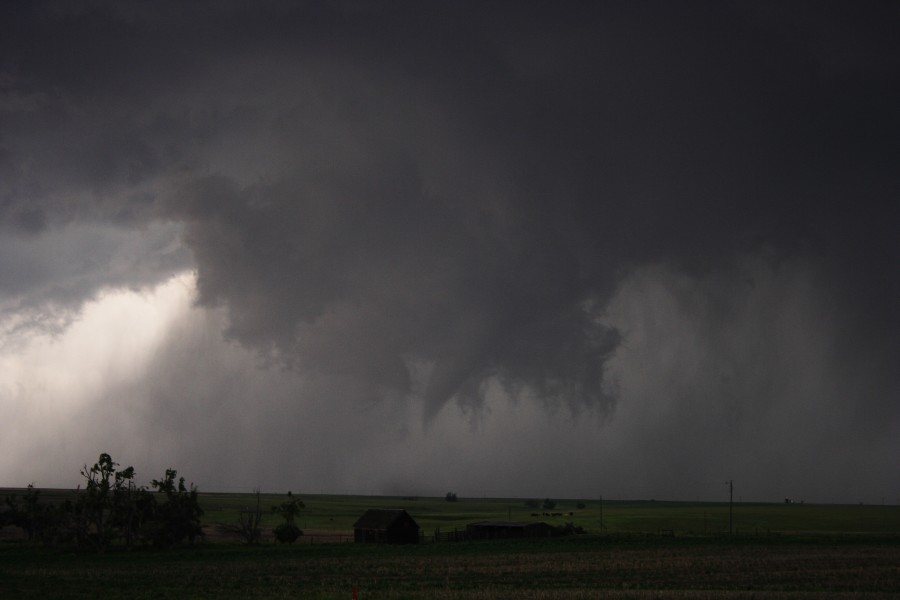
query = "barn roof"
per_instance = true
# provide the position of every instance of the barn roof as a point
(381, 518)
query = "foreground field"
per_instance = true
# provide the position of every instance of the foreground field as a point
(578, 567)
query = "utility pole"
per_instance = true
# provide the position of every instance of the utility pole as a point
(601, 513)
(730, 506)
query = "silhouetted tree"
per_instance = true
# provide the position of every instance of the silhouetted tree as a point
(109, 509)
(289, 510)
(102, 507)
(248, 523)
(29, 514)
(178, 518)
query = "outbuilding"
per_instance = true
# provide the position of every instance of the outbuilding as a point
(386, 526)
(491, 530)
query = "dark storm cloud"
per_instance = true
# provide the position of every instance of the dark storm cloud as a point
(464, 192)
(425, 197)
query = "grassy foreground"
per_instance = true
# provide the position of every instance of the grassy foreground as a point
(634, 550)
(579, 567)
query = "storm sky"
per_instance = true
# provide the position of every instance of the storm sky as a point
(635, 249)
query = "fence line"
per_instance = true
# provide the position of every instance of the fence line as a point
(324, 538)
(445, 536)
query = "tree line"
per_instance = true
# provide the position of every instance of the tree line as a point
(110, 509)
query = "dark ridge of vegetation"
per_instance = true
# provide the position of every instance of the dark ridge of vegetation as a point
(109, 510)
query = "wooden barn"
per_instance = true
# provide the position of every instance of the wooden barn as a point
(386, 526)
(492, 530)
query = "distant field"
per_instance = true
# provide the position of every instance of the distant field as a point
(326, 512)
(340, 512)
(644, 550)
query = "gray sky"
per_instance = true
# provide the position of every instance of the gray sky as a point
(634, 249)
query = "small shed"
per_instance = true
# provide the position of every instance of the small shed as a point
(386, 526)
(491, 530)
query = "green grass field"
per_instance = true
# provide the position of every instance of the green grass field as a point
(340, 512)
(644, 550)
